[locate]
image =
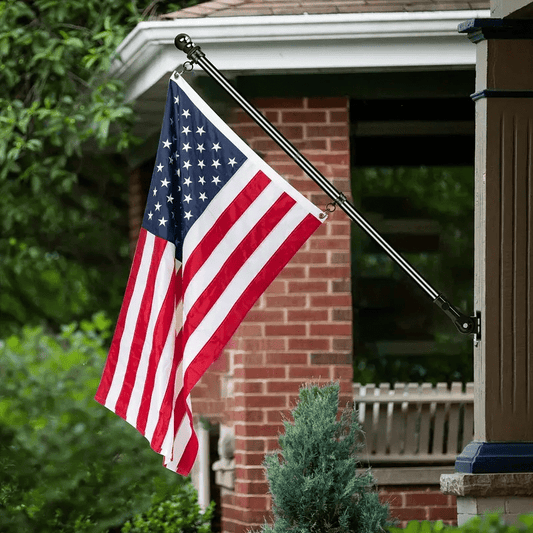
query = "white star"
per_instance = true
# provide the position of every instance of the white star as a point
(186, 130)
(203, 197)
(160, 168)
(166, 144)
(171, 120)
(201, 180)
(187, 198)
(176, 99)
(157, 206)
(164, 183)
(215, 163)
(162, 221)
(188, 215)
(170, 160)
(170, 199)
(187, 181)
(232, 162)
(186, 113)
(176, 155)
(216, 147)
(216, 179)
(155, 192)
(187, 164)
(150, 215)
(201, 164)
(186, 147)
(178, 172)
(200, 148)
(200, 131)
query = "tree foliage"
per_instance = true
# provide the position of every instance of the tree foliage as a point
(178, 514)
(63, 189)
(313, 478)
(68, 464)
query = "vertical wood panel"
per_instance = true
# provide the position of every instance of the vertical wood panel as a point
(503, 368)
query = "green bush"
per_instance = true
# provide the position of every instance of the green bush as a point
(491, 523)
(313, 478)
(178, 514)
(68, 464)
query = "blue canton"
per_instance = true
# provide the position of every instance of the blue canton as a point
(194, 161)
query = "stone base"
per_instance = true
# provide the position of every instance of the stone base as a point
(510, 508)
(510, 494)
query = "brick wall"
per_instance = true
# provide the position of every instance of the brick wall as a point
(419, 502)
(300, 329)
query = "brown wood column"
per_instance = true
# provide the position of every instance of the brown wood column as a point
(503, 286)
(503, 359)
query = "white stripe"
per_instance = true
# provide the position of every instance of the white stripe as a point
(176, 444)
(161, 382)
(164, 275)
(130, 322)
(246, 274)
(178, 314)
(268, 197)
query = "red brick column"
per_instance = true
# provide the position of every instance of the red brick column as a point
(300, 331)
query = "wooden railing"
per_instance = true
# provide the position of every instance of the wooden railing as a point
(413, 424)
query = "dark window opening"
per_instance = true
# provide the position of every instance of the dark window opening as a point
(412, 178)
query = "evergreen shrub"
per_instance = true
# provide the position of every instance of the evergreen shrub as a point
(313, 478)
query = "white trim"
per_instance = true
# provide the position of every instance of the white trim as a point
(299, 43)
(204, 468)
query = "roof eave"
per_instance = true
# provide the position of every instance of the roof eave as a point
(299, 43)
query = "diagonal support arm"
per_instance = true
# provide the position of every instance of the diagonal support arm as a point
(468, 325)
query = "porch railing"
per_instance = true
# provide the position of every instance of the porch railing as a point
(413, 423)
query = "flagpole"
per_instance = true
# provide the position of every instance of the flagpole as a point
(469, 325)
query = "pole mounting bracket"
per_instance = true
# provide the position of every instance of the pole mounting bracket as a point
(468, 325)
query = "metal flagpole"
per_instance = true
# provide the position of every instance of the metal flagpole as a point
(469, 325)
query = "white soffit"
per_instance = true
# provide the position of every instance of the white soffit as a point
(299, 44)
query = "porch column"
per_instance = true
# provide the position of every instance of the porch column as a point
(495, 472)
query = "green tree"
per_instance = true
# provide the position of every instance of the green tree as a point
(63, 188)
(313, 478)
(68, 464)
(180, 513)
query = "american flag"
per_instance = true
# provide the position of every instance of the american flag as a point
(219, 226)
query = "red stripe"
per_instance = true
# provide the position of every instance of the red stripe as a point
(249, 296)
(161, 333)
(112, 358)
(139, 335)
(188, 456)
(223, 224)
(165, 412)
(235, 262)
